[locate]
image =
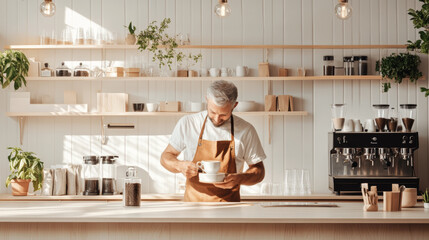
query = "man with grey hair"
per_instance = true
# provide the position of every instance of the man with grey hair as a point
(225, 138)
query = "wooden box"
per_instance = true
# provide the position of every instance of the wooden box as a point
(192, 73)
(131, 72)
(270, 103)
(263, 69)
(112, 102)
(182, 73)
(169, 106)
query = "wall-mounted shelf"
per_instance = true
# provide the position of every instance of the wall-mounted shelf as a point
(142, 114)
(22, 47)
(291, 78)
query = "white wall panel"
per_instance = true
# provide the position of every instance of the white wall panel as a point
(296, 142)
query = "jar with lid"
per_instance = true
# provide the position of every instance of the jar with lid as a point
(108, 171)
(347, 62)
(47, 71)
(63, 71)
(355, 65)
(91, 174)
(328, 66)
(81, 71)
(363, 65)
(132, 188)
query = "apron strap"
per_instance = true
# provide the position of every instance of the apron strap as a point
(204, 125)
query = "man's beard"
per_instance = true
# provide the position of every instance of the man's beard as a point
(218, 124)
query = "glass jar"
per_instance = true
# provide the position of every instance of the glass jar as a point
(392, 123)
(355, 65)
(381, 115)
(63, 71)
(338, 112)
(81, 71)
(363, 65)
(91, 174)
(108, 171)
(132, 188)
(328, 66)
(46, 71)
(347, 65)
(408, 114)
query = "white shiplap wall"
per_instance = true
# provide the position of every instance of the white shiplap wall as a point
(297, 142)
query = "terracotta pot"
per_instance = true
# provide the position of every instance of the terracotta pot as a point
(131, 39)
(20, 187)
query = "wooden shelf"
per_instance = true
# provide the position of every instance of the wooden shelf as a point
(22, 47)
(143, 114)
(291, 78)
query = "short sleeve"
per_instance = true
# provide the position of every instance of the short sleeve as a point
(253, 151)
(177, 139)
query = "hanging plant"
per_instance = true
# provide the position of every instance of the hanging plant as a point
(396, 67)
(163, 46)
(14, 67)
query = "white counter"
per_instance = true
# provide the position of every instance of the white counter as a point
(181, 212)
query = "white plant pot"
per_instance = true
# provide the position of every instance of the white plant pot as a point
(426, 205)
(131, 39)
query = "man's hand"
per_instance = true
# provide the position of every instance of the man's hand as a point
(188, 169)
(231, 180)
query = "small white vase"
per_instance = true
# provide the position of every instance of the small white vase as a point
(426, 205)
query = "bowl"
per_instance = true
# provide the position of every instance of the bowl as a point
(152, 107)
(245, 106)
(138, 107)
(211, 177)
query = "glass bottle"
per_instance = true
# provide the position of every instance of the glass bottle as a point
(132, 188)
(46, 71)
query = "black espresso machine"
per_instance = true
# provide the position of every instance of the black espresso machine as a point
(377, 158)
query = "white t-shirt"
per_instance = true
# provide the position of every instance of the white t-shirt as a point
(248, 147)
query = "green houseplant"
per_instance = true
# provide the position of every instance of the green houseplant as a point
(14, 67)
(25, 167)
(425, 196)
(131, 37)
(162, 45)
(396, 67)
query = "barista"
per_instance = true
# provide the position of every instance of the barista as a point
(215, 134)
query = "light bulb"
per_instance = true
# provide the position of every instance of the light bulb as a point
(47, 8)
(343, 10)
(223, 9)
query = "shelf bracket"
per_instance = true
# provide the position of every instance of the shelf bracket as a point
(21, 122)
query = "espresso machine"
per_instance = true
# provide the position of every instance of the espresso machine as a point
(379, 158)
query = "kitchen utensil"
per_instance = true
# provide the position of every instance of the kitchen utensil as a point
(241, 71)
(370, 198)
(210, 167)
(138, 107)
(211, 177)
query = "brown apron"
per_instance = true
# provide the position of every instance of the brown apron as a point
(223, 151)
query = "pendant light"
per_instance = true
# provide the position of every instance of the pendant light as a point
(47, 8)
(223, 9)
(343, 9)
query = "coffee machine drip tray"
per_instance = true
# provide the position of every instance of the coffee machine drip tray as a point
(348, 184)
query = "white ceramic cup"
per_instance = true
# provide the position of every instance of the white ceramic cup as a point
(370, 125)
(348, 126)
(210, 167)
(241, 71)
(357, 125)
(214, 72)
(152, 107)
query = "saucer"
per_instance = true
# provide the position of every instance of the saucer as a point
(211, 178)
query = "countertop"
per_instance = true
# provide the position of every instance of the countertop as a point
(183, 212)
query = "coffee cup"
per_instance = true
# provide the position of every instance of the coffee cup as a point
(370, 126)
(348, 126)
(409, 197)
(152, 107)
(211, 177)
(214, 72)
(208, 166)
(357, 125)
(241, 71)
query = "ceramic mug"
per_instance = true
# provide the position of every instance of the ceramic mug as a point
(241, 71)
(210, 167)
(214, 72)
(357, 125)
(370, 126)
(152, 107)
(348, 126)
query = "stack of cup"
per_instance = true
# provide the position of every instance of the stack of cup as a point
(297, 182)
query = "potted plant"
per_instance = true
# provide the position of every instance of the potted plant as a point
(163, 46)
(14, 67)
(25, 167)
(131, 37)
(425, 196)
(397, 67)
(187, 62)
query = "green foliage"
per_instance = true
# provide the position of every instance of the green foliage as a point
(131, 28)
(25, 165)
(425, 196)
(397, 67)
(14, 67)
(162, 45)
